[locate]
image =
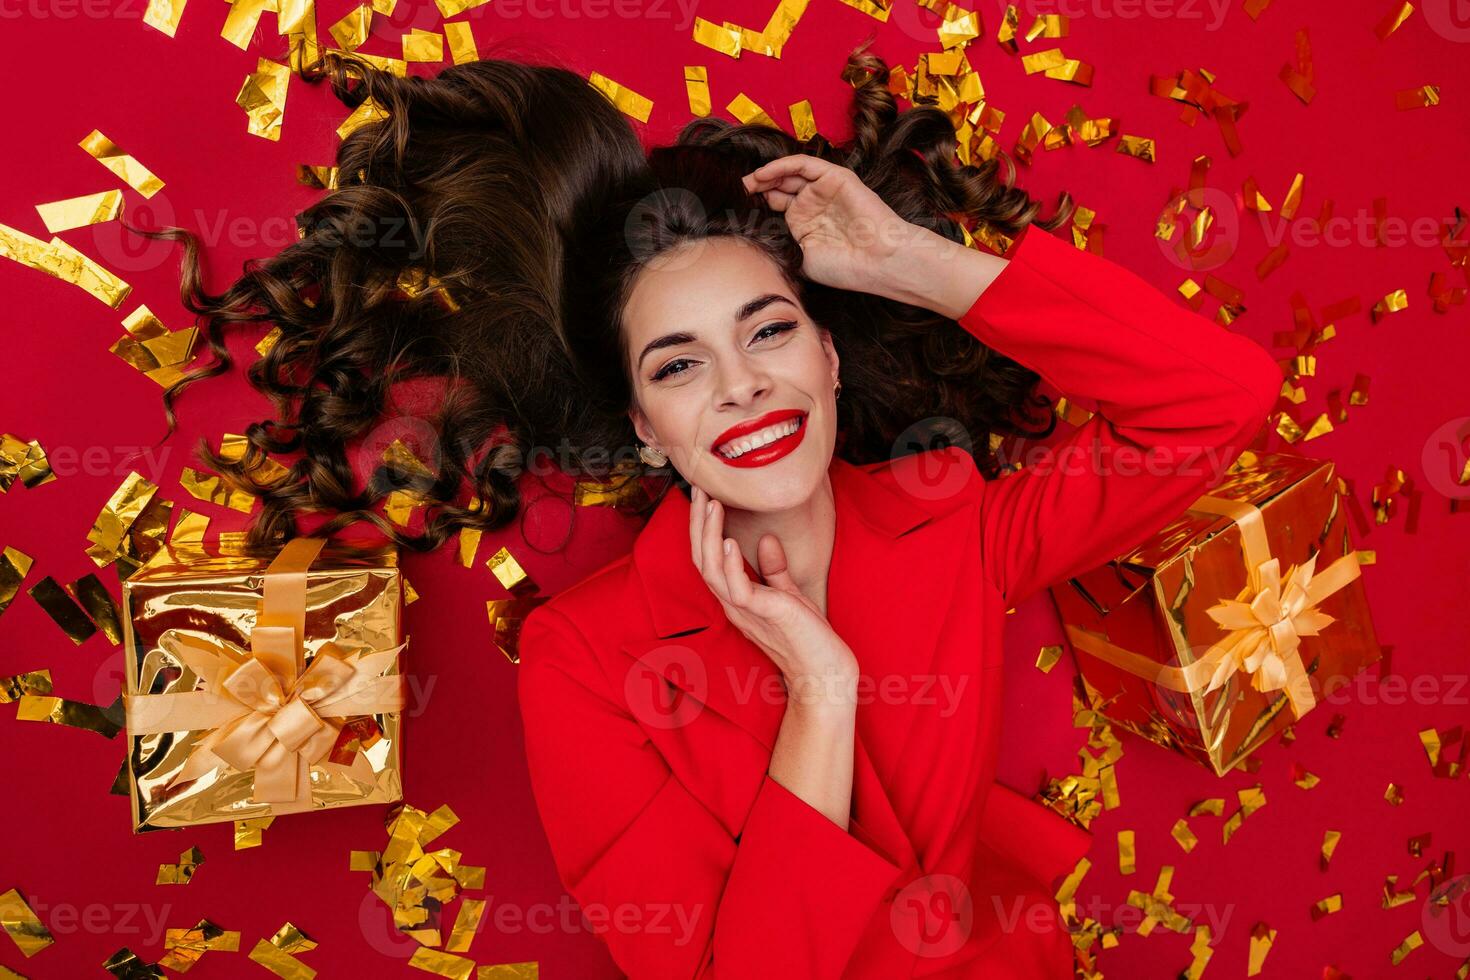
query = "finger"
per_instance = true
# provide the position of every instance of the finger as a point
(778, 200)
(791, 184)
(697, 500)
(773, 565)
(740, 585)
(802, 164)
(713, 567)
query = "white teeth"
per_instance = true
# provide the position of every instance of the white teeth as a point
(736, 448)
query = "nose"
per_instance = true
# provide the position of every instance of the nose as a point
(740, 383)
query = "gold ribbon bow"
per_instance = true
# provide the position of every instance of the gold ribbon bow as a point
(1264, 623)
(262, 711)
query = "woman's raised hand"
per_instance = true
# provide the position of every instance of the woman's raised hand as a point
(817, 665)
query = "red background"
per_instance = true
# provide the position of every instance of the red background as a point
(70, 68)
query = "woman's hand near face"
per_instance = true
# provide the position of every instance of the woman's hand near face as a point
(818, 666)
(851, 239)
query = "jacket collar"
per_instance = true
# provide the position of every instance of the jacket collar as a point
(678, 598)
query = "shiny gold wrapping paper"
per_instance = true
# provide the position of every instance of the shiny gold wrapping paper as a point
(354, 597)
(1152, 602)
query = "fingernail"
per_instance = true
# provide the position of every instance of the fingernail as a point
(727, 546)
(709, 505)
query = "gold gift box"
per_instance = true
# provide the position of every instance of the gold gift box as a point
(198, 627)
(1230, 622)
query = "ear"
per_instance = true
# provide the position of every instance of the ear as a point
(830, 349)
(641, 427)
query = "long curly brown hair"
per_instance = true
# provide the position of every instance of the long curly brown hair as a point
(483, 238)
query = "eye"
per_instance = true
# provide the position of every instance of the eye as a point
(775, 328)
(668, 368)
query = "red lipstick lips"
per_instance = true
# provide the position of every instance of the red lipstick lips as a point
(768, 453)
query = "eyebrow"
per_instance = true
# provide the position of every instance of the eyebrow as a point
(746, 311)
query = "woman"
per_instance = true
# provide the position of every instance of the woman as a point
(764, 743)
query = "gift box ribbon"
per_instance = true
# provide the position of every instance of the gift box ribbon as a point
(1264, 624)
(266, 711)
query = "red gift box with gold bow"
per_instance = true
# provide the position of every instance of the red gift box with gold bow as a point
(259, 685)
(1232, 621)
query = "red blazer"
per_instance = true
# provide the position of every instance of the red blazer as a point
(649, 719)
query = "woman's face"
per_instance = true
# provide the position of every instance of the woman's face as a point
(731, 378)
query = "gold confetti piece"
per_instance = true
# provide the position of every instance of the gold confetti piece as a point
(1329, 845)
(150, 347)
(291, 939)
(16, 686)
(1140, 147)
(182, 872)
(509, 971)
(466, 925)
(352, 30)
(803, 123)
(132, 173)
(423, 47)
(1429, 738)
(14, 566)
(1262, 936)
(21, 924)
(78, 212)
(1411, 942)
(1126, 859)
(724, 38)
(1392, 303)
(462, 48)
(696, 84)
(506, 617)
(743, 108)
(281, 963)
(251, 832)
(236, 446)
(409, 594)
(263, 97)
(189, 528)
(1326, 907)
(242, 20)
(1417, 844)
(61, 711)
(60, 261)
(52, 598)
(1183, 835)
(1394, 794)
(24, 461)
(626, 100)
(442, 964)
(164, 15)
(93, 597)
(1394, 19)
(128, 965)
(1416, 98)
(213, 489)
(960, 27)
(1047, 658)
(187, 946)
(369, 112)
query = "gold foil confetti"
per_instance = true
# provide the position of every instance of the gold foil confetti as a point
(1429, 738)
(696, 85)
(164, 15)
(99, 605)
(466, 925)
(150, 347)
(242, 20)
(743, 108)
(182, 872)
(368, 112)
(626, 100)
(213, 489)
(509, 971)
(14, 566)
(187, 946)
(16, 686)
(1411, 942)
(61, 711)
(1183, 835)
(279, 962)
(442, 964)
(1417, 843)
(24, 461)
(506, 617)
(21, 924)
(78, 212)
(1392, 303)
(52, 598)
(1127, 861)
(1394, 19)
(132, 173)
(263, 97)
(251, 832)
(724, 38)
(1330, 839)
(510, 573)
(803, 123)
(1140, 147)
(291, 939)
(60, 261)
(1262, 936)
(128, 965)
(1326, 907)
(960, 27)
(461, 39)
(1416, 98)
(236, 446)
(1394, 794)
(423, 47)
(1047, 658)
(352, 30)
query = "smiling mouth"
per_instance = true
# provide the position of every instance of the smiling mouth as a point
(736, 448)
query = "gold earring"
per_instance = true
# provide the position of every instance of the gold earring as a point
(652, 456)
(837, 390)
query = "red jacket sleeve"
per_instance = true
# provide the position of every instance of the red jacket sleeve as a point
(677, 895)
(1178, 398)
